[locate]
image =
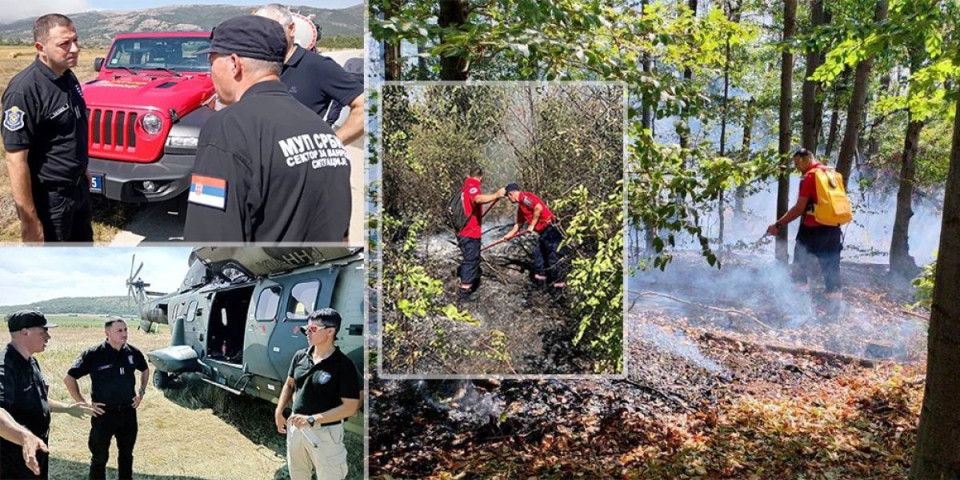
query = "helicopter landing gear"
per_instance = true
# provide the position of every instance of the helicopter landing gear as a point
(161, 380)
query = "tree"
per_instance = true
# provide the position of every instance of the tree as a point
(938, 435)
(786, 99)
(901, 263)
(810, 103)
(851, 134)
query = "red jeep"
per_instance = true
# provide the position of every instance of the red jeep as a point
(146, 107)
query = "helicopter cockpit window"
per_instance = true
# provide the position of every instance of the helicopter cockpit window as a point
(303, 298)
(267, 303)
(192, 311)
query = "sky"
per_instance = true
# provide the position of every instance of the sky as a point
(30, 274)
(14, 10)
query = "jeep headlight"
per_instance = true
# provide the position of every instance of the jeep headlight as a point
(151, 123)
(181, 142)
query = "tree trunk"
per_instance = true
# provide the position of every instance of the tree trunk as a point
(453, 13)
(855, 110)
(646, 121)
(838, 88)
(902, 265)
(683, 128)
(811, 105)
(786, 98)
(937, 455)
(392, 66)
(744, 154)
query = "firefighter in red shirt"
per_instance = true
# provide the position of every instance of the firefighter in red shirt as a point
(815, 241)
(468, 238)
(547, 266)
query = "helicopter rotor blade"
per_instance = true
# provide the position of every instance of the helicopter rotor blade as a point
(138, 270)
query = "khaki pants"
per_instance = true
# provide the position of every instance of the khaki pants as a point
(319, 448)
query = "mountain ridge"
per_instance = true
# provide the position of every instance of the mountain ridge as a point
(98, 27)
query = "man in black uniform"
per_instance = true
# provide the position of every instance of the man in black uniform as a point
(110, 366)
(267, 168)
(23, 393)
(318, 81)
(45, 135)
(325, 389)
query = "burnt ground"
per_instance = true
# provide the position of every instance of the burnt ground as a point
(704, 396)
(517, 329)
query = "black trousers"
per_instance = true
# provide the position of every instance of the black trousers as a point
(12, 466)
(114, 422)
(65, 211)
(547, 257)
(470, 266)
(818, 244)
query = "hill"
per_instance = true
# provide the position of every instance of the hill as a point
(90, 305)
(99, 27)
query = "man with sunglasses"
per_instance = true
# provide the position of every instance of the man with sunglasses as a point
(325, 389)
(24, 394)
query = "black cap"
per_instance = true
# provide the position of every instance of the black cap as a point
(249, 36)
(513, 187)
(27, 319)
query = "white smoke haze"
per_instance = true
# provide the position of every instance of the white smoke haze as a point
(13, 10)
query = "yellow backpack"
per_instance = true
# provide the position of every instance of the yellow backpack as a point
(832, 206)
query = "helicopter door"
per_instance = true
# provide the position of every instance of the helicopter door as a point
(282, 306)
(192, 327)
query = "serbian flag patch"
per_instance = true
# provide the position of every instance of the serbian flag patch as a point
(209, 191)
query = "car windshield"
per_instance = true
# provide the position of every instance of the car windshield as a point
(158, 53)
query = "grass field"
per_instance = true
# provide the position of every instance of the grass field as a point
(108, 215)
(193, 431)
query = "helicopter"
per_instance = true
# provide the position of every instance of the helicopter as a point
(235, 318)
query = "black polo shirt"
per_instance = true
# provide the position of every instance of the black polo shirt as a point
(23, 394)
(46, 114)
(320, 386)
(268, 170)
(316, 80)
(111, 372)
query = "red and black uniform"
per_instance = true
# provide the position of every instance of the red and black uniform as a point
(815, 241)
(468, 238)
(547, 257)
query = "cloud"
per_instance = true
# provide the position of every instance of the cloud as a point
(32, 274)
(13, 10)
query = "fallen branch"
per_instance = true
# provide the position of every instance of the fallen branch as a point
(925, 318)
(679, 400)
(830, 356)
(699, 305)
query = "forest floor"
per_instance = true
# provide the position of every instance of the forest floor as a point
(516, 328)
(735, 375)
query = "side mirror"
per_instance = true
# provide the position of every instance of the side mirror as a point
(97, 63)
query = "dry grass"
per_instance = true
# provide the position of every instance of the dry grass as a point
(191, 432)
(109, 216)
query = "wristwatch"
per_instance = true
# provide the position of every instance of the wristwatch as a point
(310, 420)
(142, 391)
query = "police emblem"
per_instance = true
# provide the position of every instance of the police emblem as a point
(322, 377)
(13, 119)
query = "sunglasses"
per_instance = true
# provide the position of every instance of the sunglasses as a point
(308, 329)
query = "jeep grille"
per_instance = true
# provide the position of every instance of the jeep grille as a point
(110, 127)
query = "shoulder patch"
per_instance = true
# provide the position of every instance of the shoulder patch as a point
(473, 190)
(209, 191)
(527, 201)
(13, 118)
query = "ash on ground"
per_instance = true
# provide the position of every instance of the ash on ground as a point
(686, 365)
(518, 329)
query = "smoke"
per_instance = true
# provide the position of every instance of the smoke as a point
(461, 401)
(747, 287)
(677, 344)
